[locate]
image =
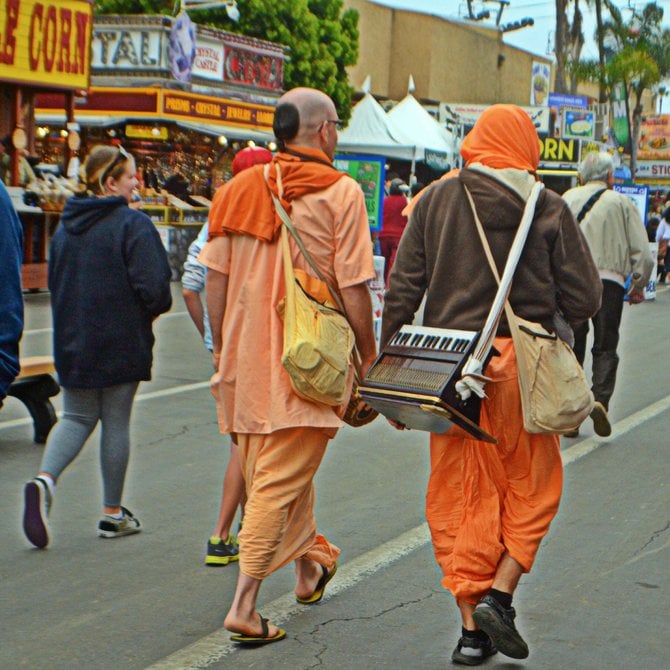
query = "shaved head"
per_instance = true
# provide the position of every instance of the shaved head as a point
(313, 109)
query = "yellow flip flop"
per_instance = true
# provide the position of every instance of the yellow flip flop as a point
(263, 638)
(320, 586)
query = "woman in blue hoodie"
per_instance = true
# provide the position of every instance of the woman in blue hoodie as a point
(109, 279)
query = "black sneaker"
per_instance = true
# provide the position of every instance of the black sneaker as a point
(36, 510)
(220, 552)
(472, 651)
(498, 623)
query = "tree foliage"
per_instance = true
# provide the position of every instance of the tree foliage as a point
(635, 52)
(323, 39)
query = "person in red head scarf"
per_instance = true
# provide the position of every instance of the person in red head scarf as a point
(250, 156)
(489, 506)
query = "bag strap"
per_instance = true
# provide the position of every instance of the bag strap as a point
(588, 204)
(505, 284)
(286, 220)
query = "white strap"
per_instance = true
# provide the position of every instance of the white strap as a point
(472, 379)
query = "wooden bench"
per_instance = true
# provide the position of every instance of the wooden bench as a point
(33, 387)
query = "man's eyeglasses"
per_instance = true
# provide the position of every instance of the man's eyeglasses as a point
(123, 155)
(338, 123)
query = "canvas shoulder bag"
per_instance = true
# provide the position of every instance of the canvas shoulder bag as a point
(555, 396)
(318, 340)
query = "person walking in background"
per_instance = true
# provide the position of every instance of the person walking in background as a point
(109, 279)
(282, 438)
(26, 172)
(662, 237)
(393, 223)
(222, 546)
(618, 241)
(489, 506)
(11, 297)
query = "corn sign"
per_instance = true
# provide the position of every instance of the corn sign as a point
(46, 43)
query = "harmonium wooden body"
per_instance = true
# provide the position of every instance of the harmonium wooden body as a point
(413, 381)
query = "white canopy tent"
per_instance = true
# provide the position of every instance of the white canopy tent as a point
(413, 125)
(370, 132)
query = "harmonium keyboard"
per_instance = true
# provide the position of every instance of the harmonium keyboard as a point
(413, 381)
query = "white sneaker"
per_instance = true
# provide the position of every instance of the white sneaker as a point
(126, 525)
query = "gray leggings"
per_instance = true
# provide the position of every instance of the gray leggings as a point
(82, 409)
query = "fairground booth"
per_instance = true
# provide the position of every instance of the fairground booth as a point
(182, 98)
(44, 49)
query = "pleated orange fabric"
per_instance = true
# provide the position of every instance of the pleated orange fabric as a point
(485, 499)
(503, 137)
(279, 524)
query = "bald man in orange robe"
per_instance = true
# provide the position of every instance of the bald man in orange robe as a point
(489, 506)
(282, 438)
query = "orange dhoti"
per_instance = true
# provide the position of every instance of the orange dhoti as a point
(279, 524)
(483, 499)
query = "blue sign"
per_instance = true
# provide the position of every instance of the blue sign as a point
(565, 100)
(639, 195)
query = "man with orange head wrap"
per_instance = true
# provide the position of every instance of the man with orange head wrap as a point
(489, 506)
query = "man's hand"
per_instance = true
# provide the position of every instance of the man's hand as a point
(397, 425)
(635, 296)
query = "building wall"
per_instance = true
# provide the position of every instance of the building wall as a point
(449, 60)
(374, 58)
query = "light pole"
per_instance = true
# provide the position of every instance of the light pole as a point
(230, 5)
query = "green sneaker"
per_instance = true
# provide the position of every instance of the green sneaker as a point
(126, 525)
(220, 552)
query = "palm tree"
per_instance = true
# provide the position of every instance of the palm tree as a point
(634, 53)
(568, 45)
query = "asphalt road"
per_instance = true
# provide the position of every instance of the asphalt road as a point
(598, 596)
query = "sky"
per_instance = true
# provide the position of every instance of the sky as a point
(538, 38)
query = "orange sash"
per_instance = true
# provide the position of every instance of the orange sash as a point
(243, 204)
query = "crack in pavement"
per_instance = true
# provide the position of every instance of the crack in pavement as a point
(324, 648)
(655, 535)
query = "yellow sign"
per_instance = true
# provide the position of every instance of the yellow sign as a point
(46, 43)
(146, 132)
(558, 151)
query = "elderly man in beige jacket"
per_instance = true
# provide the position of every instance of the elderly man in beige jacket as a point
(618, 241)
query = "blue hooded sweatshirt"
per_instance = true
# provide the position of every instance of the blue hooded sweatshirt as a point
(109, 278)
(11, 298)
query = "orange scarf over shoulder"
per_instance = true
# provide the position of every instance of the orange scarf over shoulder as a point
(243, 204)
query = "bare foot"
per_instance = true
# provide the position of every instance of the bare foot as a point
(251, 626)
(307, 576)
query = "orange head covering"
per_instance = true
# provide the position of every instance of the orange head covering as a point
(503, 137)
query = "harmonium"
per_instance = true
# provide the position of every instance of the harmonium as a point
(413, 381)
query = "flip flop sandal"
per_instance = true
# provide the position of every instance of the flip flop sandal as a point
(263, 638)
(320, 587)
